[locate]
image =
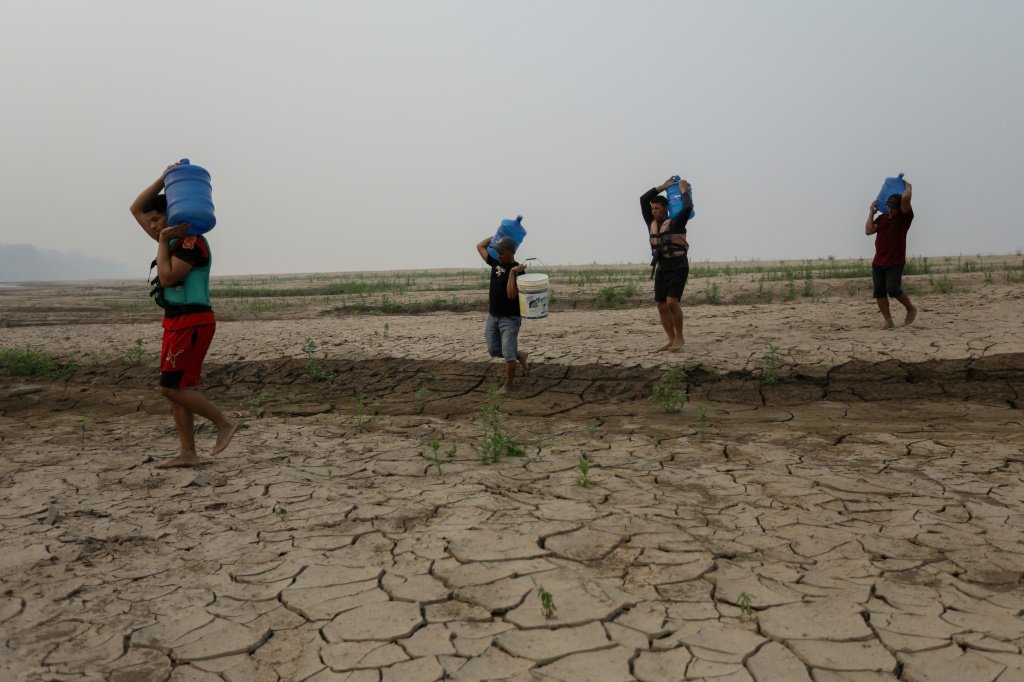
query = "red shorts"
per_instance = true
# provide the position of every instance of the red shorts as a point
(182, 354)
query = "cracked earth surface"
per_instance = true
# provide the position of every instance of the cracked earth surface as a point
(858, 521)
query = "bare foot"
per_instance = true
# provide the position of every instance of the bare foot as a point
(674, 346)
(667, 345)
(185, 459)
(523, 362)
(504, 390)
(224, 434)
(887, 325)
(911, 316)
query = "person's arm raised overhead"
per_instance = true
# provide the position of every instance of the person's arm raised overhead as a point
(645, 201)
(138, 207)
(481, 248)
(869, 226)
(905, 200)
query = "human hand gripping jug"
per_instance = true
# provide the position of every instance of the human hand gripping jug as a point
(675, 198)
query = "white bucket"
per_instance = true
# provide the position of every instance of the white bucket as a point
(533, 296)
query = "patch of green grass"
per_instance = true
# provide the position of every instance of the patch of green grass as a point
(257, 400)
(744, 602)
(133, 356)
(772, 363)
(584, 467)
(670, 391)
(421, 399)
(314, 370)
(547, 602)
(496, 444)
(438, 457)
(711, 294)
(26, 362)
(610, 297)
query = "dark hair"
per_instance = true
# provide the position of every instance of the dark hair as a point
(505, 245)
(660, 200)
(157, 203)
(894, 199)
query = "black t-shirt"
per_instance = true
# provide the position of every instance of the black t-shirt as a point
(499, 304)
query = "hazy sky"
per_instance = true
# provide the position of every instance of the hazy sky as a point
(378, 135)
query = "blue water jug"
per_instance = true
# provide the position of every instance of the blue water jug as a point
(508, 228)
(889, 187)
(189, 197)
(675, 198)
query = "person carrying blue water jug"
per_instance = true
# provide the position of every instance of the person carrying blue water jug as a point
(890, 230)
(182, 288)
(670, 267)
(503, 317)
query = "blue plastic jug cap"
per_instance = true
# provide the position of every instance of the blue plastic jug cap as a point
(184, 162)
(519, 218)
(900, 176)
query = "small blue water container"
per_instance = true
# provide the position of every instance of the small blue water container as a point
(189, 197)
(675, 198)
(508, 228)
(889, 187)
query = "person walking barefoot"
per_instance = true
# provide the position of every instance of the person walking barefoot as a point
(669, 248)
(182, 289)
(503, 317)
(890, 230)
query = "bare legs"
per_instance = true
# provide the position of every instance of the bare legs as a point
(510, 371)
(883, 307)
(671, 316)
(185, 404)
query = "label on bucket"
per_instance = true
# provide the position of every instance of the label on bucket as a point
(533, 306)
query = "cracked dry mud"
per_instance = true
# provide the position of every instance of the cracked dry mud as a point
(859, 521)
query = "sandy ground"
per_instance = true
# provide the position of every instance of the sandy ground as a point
(859, 520)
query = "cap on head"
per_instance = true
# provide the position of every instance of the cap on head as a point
(505, 245)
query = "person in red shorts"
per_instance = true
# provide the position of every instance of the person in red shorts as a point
(890, 230)
(182, 289)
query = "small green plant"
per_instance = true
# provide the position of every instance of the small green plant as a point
(363, 419)
(944, 285)
(746, 610)
(496, 444)
(438, 458)
(386, 331)
(711, 294)
(421, 399)
(702, 421)
(610, 297)
(85, 423)
(330, 473)
(434, 376)
(314, 370)
(772, 363)
(790, 291)
(547, 602)
(591, 430)
(670, 391)
(257, 400)
(281, 512)
(134, 356)
(387, 305)
(26, 362)
(584, 467)
(809, 286)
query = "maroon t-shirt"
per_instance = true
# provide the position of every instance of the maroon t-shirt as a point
(891, 238)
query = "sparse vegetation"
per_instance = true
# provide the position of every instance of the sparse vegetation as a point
(772, 363)
(26, 362)
(746, 609)
(584, 468)
(670, 391)
(314, 370)
(496, 444)
(133, 356)
(257, 400)
(547, 602)
(438, 457)
(702, 422)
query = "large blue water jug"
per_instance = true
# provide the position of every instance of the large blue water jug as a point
(508, 228)
(675, 198)
(889, 187)
(189, 197)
